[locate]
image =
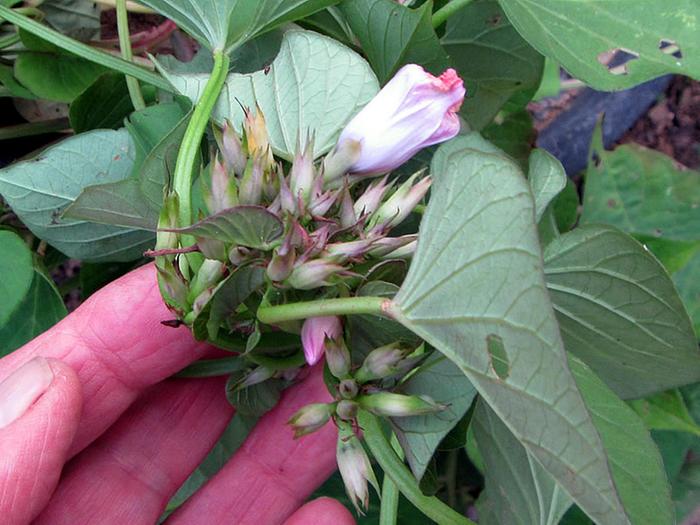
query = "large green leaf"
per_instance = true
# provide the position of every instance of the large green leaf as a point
(392, 35)
(647, 194)
(420, 435)
(666, 411)
(16, 271)
(519, 490)
(494, 60)
(635, 461)
(578, 34)
(314, 84)
(619, 312)
(39, 190)
(547, 179)
(55, 76)
(41, 308)
(224, 24)
(475, 291)
(104, 104)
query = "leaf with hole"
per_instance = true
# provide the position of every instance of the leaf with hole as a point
(477, 276)
(619, 312)
(314, 85)
(654, 38)
(249, 226)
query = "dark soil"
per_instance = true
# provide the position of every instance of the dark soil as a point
(137, 22)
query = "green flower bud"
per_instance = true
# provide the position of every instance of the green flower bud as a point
(310, 418)
(338, 357)
(398, 405)
(348, 388)
(355, 467)
(380, 362)
(346, 410)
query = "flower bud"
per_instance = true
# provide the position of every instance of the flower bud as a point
(399, 205)
(223, 193)
(346, 410)
(369, 201)
(208, 275)
(289, 203)
(355, 468)
(256, 376)
(348, 389)
(348, 218)
(342, 251)
(310, 418)
(172, 287)
(412, 111)
(338, 357)
(230, 145)
(398, 405)
(314, 334)
(321, 202)
(302, 174)
(251, 185)
(313, 274)
(167, 220)
(339, 161)
(404, 252)
(282, 261)
(380, 362)
(386, 245)
(256, 137)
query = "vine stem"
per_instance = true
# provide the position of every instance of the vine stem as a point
(132, 84)
(389, 510)
(341, 306)
(187, 155)
(82, 50)
(441, 15)
(393, 467)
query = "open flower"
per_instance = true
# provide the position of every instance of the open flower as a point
(314, 333)
(412, 111)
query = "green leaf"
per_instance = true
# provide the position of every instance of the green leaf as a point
(39, 190)
(250, 226)
(494, 60)
(635, 461)
(619, 312)
(79, 19)
(16, 270)
(420, 435)
(578, 34)
(8, 80)
(41, 308)
(518, 489)
(255, 400)
(104, 104)
(547, 179)
(392, 35)
(314, 84)
(565, 207)
(665, 411)
(224, 24)
(54, 76)
(477, 274)
(514, 135)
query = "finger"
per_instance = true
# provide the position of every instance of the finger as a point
(39, 413)
(117, 346)
(273, 473)
(129, 474)
(322, 511)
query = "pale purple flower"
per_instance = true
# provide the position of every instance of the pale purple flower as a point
(314, 333)
(412, 111)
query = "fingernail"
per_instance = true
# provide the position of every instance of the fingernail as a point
(22, 388)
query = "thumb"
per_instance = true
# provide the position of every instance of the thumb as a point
(40, 406)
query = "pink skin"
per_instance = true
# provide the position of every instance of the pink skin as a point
(134, 435)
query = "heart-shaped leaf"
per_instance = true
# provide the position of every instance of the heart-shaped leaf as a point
(475, 291)
(314, 85)
(250, 226)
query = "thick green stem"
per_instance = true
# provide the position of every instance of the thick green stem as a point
(405, 482)
(187, 155)
(342, 306)
(132, 84)
(441, 15)
(29, 129)
(389, 511)
(82, 50)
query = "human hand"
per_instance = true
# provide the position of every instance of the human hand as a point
(92, 393)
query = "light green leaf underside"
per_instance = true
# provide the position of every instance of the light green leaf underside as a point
(477, 276)
(420, 435)
(492, 58)
(619, 312)
(547, 178)
(40, 189)
(16, 272)
(635, 461)
(576, 32)
(222, 24)
(314, 85)
(518, 489)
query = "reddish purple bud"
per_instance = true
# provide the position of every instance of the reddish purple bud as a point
(251, 185)
(342, 251)
(301, 177)
(369, 201)
(315, 332)
(231, 148)
(399, 205)
(386, 245)
(348, 218)
(412, 111)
